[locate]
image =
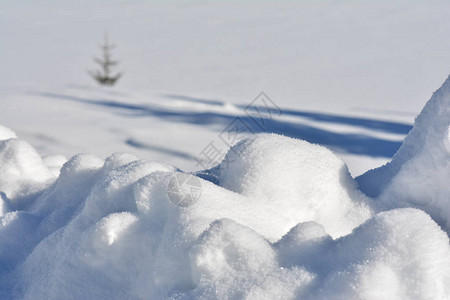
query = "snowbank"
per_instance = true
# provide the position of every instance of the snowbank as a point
(419, 173)
(293, 181)
(399, 254)
(6, 133)
(279, 218)
(23, 174)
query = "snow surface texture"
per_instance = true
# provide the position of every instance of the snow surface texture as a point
(279, 218)
(419, 173)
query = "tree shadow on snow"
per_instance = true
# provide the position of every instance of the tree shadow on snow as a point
(379, 125)
(342, 142)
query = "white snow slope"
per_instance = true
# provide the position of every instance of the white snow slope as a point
(419, 172)
(279, 218)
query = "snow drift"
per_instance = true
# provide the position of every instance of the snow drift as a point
(419, 173)
(292, 181)
(279, 218)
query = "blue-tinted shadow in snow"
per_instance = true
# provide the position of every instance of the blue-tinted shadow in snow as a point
(343, 142)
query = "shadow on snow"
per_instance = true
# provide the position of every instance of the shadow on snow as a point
(341, 142)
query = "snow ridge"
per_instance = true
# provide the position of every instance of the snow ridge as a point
(418, 173)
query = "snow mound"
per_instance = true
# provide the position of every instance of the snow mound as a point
(22, 172)
(279, 218)
(399, 254)
(231, 261)
(6, 133)
(419, 173)
(293, 181)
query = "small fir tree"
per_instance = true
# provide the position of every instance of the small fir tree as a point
(104, 76)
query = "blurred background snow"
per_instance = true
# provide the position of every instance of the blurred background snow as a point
(348, 75)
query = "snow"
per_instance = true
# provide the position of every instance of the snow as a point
(294, 181)
(418, 173)
(6, 133)
(23, 172)
(349, 76)
(278, 218)
(280, 214)
(399, 254)
(231, 261)
(323, 56)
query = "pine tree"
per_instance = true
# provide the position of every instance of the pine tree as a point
(104, 76)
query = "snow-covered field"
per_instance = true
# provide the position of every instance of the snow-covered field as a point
(276, 216)
(320, 60)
